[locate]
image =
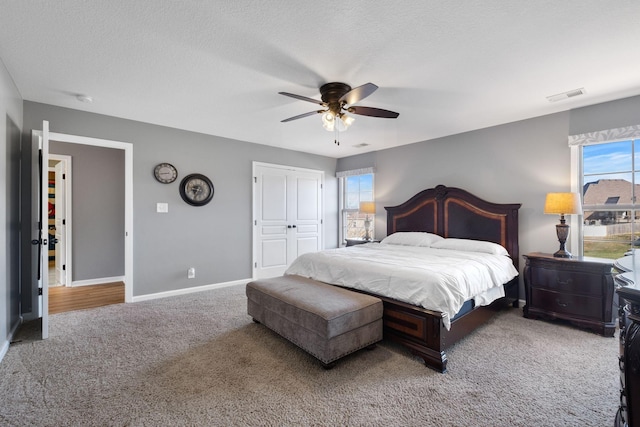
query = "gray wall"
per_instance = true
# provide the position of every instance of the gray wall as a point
(608, 115)
(215, 239)
(97, 224)
(10, 128)
(514, 163)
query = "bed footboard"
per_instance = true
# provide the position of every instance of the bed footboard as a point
(419, 330)
(423, 331)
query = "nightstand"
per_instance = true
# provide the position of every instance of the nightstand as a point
(353, 242)
(578, 289)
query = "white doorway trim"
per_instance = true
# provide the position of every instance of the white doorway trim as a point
(67, 215)
(128, 196)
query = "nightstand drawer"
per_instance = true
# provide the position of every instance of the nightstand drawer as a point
(571, 304)
(573, 282)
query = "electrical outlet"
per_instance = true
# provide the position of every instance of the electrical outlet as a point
(191, 273)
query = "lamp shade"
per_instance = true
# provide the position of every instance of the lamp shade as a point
(367, 207)
(563, 204)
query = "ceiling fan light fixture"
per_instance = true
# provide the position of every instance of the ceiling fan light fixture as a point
(344, 122)
(347, 120)
(329, 126)
(337, 99)
(328, 116)
(328, 121)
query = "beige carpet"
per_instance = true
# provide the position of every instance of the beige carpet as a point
(199, 360)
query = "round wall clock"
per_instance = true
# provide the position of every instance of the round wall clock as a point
(165, 173)
(196, 189)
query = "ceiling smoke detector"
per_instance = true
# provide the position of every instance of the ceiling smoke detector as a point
(84, 98)
(566, 95)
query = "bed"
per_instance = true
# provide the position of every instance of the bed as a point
(451, 213)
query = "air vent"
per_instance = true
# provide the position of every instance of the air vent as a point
(566, 95)
(364, 144)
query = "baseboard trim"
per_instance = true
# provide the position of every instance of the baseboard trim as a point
(189, 290)
(27, 317)
(4, 349)
(99, 281)
(12, 333)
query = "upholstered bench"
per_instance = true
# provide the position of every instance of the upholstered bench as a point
(326, 321)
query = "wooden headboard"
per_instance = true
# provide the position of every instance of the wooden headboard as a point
(453, 212)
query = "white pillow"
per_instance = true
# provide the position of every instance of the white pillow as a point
(471, 246)
(411, 238)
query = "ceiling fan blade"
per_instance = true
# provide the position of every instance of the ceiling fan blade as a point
(358, 94)
(299, 116)
(373, 112)
(302, 98)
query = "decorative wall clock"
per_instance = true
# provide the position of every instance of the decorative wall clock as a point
(165, 173)
(196, 189)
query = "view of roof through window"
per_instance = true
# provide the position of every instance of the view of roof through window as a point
(611, 182)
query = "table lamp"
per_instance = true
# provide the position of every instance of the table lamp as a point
(367, 208)
(562, 204)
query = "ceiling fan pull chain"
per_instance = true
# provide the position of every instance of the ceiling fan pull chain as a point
(337, 134)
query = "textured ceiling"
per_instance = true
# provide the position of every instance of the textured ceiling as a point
(216, 67)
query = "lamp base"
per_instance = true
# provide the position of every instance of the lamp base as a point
(562, 230)
(367, 224)
(562, 253)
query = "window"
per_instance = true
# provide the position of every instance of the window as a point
(610, 181)
(355, 187)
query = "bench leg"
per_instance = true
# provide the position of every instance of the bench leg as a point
(328, 366)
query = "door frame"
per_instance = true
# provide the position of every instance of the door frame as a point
(128, 196)
(67, 160)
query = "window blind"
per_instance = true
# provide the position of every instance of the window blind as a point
(361, 171)
(609, 135)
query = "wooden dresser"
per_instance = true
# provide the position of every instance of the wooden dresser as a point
(579, 290)
(629, 317)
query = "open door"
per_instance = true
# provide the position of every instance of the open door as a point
(60, 223)
(40, 187)
(128, 194)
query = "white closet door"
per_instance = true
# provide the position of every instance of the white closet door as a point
(305, 214)
(287, 217)
(270, 223)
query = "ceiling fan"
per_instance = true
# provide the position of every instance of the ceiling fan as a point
(337, 100)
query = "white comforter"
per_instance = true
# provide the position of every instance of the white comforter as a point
(436, 279)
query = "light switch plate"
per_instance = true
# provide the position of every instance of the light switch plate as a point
(162, 207)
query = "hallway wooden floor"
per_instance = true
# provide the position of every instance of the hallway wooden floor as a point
(62, 298)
